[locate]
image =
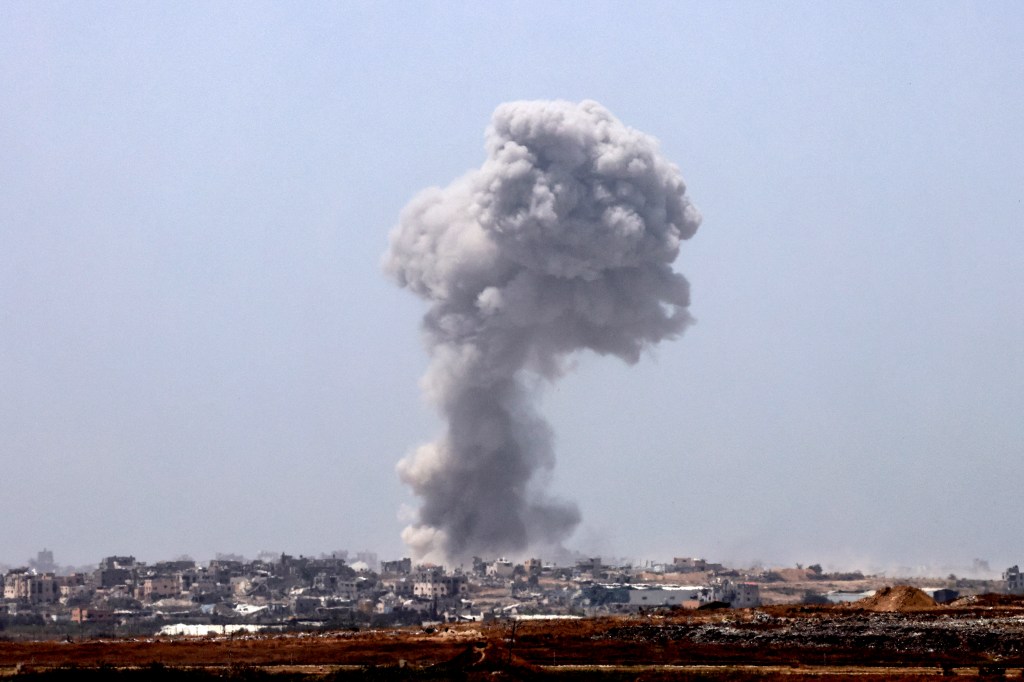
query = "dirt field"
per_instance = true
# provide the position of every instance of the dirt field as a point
(898, 634)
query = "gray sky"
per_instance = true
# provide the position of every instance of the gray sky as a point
(199, 351)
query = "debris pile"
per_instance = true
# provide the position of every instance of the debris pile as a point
(898, 599)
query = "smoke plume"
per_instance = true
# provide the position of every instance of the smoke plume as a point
(562, 240)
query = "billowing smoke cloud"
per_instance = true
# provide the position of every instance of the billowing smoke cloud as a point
(562, 240)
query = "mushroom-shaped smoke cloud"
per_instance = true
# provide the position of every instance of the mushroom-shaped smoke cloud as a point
(562, 240)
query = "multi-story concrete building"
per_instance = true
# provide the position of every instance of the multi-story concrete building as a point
(736, 595)
(87, 615)
(1014, 580)
(399, 566)
(43, 563)
(346, 589)
(31, 588)
(160, 587)
(501, 568)
(402, 587)
(109, 577)
(431, 584)
(591, 566)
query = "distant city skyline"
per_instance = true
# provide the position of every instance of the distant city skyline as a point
(977, 568)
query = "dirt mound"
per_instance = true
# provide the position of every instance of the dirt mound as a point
(899, 598)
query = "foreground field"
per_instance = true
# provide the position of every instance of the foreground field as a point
(896, 637)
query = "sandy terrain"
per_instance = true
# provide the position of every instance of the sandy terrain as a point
(898, 634)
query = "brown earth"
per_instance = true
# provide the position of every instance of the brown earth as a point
(894, 635)
(901, 598)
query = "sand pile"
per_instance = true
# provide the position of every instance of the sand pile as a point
(898, 598)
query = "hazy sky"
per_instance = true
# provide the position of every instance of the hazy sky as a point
(199, 351)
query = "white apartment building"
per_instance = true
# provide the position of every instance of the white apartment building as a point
(736, 595)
